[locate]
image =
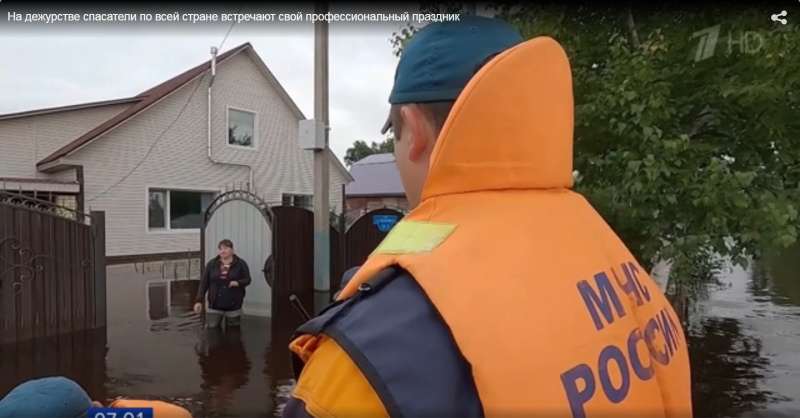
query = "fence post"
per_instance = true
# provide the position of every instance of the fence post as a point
(99, 225)
(342, 245)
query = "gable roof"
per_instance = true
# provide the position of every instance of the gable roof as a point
(152, 96)
(375, 175)
(144, 100)
(376, 159)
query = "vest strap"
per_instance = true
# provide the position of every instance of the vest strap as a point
(330, 313)
(401, 345)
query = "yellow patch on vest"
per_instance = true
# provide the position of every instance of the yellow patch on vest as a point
(409, 237)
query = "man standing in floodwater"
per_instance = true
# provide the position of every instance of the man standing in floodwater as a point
(503, 292)
(224, 279)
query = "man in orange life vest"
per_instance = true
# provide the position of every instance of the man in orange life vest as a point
(502, 293)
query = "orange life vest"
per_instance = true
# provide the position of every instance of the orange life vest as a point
(543, 299)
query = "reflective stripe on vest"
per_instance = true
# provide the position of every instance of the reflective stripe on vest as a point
(398, 340)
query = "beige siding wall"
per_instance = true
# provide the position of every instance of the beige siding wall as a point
(28, 140)
(66, 175)
(178, 160)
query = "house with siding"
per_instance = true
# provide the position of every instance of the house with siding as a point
(155, 161)
(376, 184)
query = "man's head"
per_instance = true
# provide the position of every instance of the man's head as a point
(436, 65)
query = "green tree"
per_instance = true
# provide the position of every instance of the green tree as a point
(360, 149)
(686, 158)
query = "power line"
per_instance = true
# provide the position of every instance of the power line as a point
(164, 132)
(149, 150)
(225, 38)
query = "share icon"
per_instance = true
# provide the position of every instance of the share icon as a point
(777, 17)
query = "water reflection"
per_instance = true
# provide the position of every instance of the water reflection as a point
(276, 359)
(743, 341)
(157, 349)
(168, 355)
(79, 356)
(779, 279)
(224, 367)
(158, 300)
(727, 366)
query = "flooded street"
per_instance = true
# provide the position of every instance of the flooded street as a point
(158, 349)
(743, 341)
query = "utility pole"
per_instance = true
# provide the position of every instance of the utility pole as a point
(322, 242)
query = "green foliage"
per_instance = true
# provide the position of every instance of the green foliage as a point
(336, 220)
(684, 158)
(360, 149)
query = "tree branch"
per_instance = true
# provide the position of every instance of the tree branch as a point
(703, 119)
(706, 116)
(633, 36)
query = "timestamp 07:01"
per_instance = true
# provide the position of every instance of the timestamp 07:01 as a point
(120, 413)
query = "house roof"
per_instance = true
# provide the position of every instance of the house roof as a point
(79, 106)
(375, 175)
(143, 101)
(150, 97)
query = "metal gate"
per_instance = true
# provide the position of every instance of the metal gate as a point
(52, 269)
(246, 220)
(364, 235)
(359, 240)
(294, 255)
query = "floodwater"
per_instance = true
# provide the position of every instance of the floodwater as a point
(744, 341)
(158, 349)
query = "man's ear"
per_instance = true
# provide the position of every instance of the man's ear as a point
(414, 122)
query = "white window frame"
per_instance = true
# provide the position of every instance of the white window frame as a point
(166, 189)
(255, 128)
(294, 194)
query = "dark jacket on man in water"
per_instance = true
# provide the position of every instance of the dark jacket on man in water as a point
(221, 296)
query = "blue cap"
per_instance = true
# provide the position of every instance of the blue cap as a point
(52, 397)
(440, 59)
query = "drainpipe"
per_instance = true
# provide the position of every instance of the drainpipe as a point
(250, 184)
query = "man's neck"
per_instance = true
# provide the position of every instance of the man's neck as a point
(226, 260)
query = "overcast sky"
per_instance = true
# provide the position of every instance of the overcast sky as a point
(61, 68)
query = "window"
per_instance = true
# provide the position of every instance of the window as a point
(302, 200)
(177, 209)
(242, 128)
